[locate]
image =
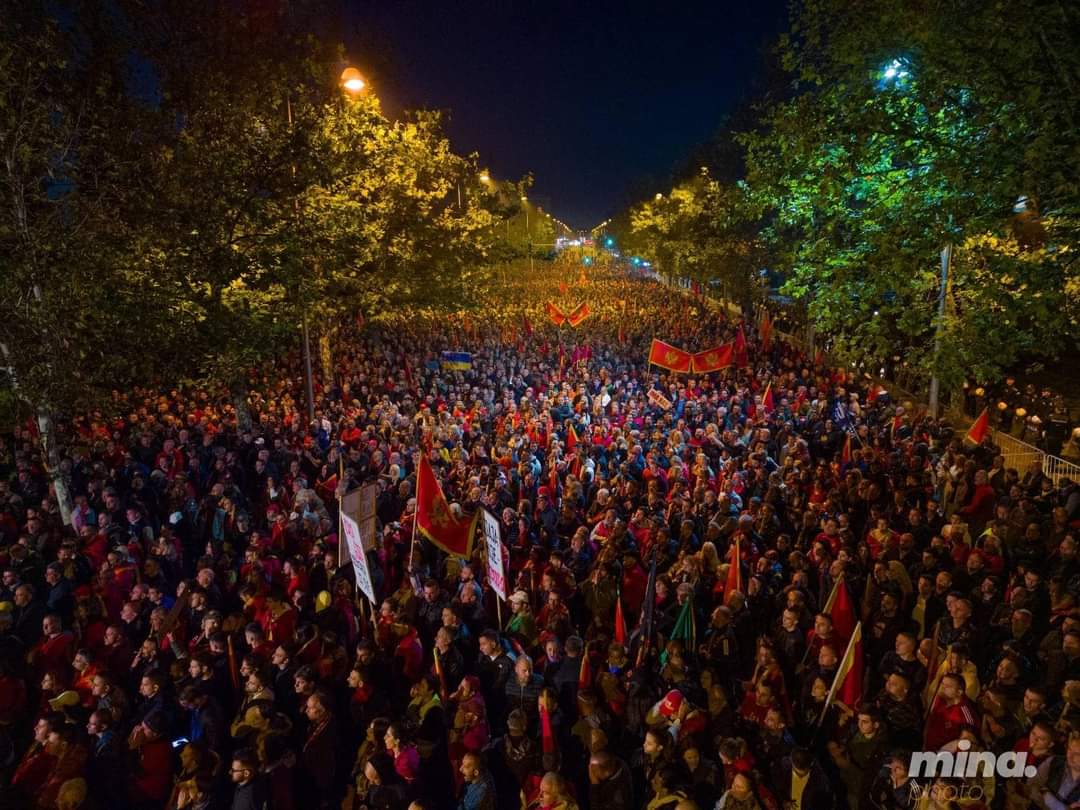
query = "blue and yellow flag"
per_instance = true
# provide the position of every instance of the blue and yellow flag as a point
(457, 361)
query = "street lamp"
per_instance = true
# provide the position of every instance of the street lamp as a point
(528, 230)
(352, 81)
(898, 72)
(485, 177)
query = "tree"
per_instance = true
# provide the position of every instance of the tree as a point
(705, 230)
(903, 137)
(76, 300)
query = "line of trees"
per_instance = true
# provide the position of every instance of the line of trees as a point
(181, 182)
(900, 129)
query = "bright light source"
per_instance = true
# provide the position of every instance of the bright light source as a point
(485, 177)
(352, 81)
(659, 196)
(609, 241)
(896, 70)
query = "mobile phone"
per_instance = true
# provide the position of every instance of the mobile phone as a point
(179, 743)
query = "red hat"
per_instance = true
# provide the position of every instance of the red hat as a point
(672, 702)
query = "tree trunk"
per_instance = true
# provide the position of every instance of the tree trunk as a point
(239, 399)
(51, 454)
(326, 356)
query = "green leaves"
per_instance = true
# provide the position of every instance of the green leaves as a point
(197, 226)
(865, 177)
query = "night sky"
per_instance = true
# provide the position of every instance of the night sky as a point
(597, 99)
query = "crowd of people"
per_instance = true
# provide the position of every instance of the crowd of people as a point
(193, 637)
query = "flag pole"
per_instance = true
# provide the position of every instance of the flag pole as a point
(825, 609)
(840, 672)
(340, 505)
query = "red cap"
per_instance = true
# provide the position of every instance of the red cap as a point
(672, 702)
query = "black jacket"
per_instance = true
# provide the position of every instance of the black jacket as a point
(614, 793)
(252, 796)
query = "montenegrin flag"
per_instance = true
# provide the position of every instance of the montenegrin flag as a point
(765, 330)
(667, 356)
(578, 315)
(555, 314)
(714, 359)
(434, 519)
(979, 428)
(847, 685)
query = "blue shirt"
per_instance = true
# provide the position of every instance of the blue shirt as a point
(478, 796)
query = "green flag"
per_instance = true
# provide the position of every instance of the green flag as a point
(685, 627)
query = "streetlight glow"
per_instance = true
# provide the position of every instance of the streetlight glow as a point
(352, 81)
(485, 177)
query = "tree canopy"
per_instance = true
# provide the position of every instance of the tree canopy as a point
(905, 129)
(184, 180)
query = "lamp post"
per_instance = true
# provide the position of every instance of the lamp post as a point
(898, 73)
(528, 230)
(352, 83)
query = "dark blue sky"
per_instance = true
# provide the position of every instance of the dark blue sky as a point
(594, 98)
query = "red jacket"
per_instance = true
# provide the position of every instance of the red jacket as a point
(944, 723)
(153, 777)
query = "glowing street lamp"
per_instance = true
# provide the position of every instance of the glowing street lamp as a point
(352, 81)
(485, 177)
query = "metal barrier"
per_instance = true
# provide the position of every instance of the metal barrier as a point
(1019, 455)
(1057, 468)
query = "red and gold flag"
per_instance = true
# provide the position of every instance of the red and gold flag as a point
(845, 452)
(585, 674)
(765, 330)
(714, 359)
(667, 356)
(979, 428)
(620, 622)
(580, 313)
(839, 607)
(767, 403)
(734, 573)
(556, 315)
(848, 683)
(741, 360)
(434, 519)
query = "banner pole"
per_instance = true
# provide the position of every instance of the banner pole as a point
(340, 505)
(840, 671)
